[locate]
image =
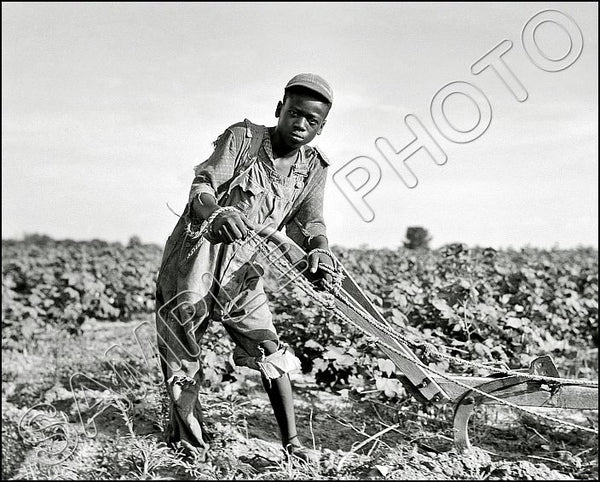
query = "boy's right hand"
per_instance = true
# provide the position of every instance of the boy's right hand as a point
(228, 227)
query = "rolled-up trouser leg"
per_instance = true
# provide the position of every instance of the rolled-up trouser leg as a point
(178, 333)
(257, 343)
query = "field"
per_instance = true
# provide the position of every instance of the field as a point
(82, 395)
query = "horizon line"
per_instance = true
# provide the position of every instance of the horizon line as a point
(363, 246)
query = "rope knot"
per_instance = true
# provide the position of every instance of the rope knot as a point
(337, 276)
(204, 228)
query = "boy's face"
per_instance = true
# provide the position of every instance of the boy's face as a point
(301, 118)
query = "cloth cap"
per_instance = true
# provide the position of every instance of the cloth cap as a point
(313, 82)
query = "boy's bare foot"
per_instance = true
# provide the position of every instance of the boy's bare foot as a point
(295, 450)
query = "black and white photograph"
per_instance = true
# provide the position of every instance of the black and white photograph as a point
(299, 241)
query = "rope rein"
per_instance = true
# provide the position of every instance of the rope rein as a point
(334, 289)
(204, 228)
(433, 351)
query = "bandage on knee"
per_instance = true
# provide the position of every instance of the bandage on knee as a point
(279, 363)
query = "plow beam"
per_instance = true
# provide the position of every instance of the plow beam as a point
(355, 307)
(352, 304)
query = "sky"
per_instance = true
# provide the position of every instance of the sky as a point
(107, 108)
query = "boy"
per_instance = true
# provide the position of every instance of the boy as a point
(255, 176)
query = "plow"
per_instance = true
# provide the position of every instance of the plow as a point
(537, 386)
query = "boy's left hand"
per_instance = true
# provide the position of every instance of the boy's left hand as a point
(315, 260)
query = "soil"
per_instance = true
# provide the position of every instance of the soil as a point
(358, 438)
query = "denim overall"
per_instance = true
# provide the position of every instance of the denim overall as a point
(200, 282)
(265, 197)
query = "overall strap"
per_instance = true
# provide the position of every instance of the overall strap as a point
(246, 156)
(254, 136)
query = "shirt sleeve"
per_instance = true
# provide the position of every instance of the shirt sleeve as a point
(309, 221)
(218, 168)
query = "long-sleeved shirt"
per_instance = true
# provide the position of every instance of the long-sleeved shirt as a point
(236, 149)
(199, 281)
